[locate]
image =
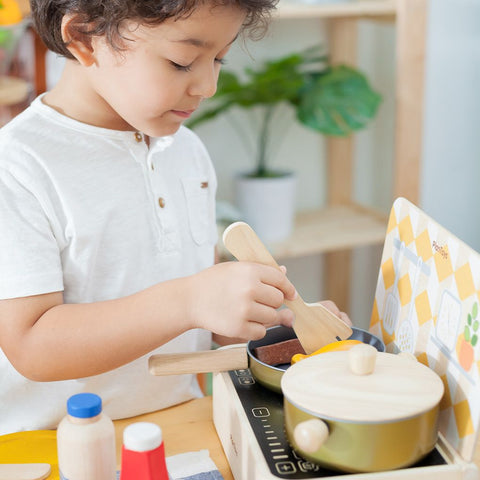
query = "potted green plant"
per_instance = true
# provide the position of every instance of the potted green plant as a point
(332, 100)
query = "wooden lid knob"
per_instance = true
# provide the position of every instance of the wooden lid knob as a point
(361, 359)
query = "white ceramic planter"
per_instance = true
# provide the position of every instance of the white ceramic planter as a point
(267, 204)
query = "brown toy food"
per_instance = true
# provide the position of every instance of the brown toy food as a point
(279, 353)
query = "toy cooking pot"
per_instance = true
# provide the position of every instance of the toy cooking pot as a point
(361, 410)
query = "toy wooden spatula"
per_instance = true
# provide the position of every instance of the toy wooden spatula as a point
(315, 325)
(24, 471)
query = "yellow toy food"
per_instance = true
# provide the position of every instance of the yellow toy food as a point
(331, 347)
(10, 12)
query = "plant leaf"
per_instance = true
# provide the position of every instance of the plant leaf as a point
(474, 340)
(337, 102)
(466, 333)
(334, 101)
(469, 319)
(475, 310)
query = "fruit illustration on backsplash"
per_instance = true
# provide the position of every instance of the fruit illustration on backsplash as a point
(468, 339)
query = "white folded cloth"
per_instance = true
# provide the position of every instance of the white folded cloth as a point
(193, 466)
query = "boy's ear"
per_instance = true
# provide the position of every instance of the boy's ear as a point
(77, 43)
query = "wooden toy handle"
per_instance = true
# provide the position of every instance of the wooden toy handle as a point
(315, 326)
(221, 360)
(244, 244)
(311, 434)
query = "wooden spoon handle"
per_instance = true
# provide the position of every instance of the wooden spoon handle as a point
(314, 327)
(24, 471)
(221, 360)
(243, 243)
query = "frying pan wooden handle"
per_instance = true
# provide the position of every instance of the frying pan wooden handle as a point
(315, 325)
(221, 360)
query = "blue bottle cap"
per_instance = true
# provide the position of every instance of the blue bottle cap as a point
(84, 405)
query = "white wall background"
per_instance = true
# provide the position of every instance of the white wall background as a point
(451, 163)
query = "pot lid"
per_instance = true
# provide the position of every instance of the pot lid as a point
(398, 388)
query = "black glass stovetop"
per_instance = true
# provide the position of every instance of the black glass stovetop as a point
(264, 410)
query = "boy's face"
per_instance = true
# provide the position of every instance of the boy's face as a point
(164, 73)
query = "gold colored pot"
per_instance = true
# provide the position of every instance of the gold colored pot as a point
(356, 426)
(368, 447)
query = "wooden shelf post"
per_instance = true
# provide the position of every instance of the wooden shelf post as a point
(342, 49)
(411, 53)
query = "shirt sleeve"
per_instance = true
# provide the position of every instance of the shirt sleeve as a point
(30, 262)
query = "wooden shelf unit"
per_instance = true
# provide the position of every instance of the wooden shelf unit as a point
(343, 225)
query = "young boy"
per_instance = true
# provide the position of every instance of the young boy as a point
(107, 226)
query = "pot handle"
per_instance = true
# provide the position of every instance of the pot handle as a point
(311, 434)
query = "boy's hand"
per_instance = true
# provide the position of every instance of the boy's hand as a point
(240, 299)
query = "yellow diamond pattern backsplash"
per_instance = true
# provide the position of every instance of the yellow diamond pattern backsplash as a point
(427, 303)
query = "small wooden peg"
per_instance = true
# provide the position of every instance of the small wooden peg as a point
(361, 359)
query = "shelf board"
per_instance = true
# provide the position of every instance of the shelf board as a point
(331, 229)
(327, 230)
(355, 8)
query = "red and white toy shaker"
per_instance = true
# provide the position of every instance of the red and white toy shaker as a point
(143, 453)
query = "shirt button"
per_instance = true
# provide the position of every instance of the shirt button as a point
(161, 202)
(138, 137)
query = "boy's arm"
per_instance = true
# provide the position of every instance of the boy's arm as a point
(47, 340)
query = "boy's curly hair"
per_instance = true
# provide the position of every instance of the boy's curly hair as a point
(105, 17)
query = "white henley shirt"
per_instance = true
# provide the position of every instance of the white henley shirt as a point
(98, 214)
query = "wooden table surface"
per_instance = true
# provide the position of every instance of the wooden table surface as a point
(187, 427)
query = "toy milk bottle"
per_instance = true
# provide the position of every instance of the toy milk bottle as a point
(86, 441)
(143, 453)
